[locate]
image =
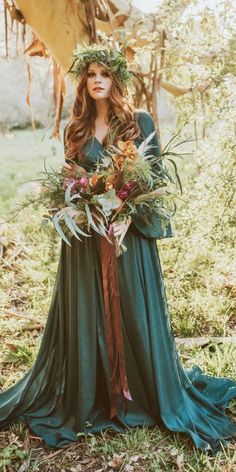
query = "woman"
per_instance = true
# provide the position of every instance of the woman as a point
(70, 388)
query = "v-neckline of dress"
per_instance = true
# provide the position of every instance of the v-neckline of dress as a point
(96, 139)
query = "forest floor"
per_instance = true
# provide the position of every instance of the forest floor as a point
(201, 298)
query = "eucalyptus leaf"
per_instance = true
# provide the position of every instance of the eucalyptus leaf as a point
(69, 222)
(59, 229)
(90, 219)
(68, 193)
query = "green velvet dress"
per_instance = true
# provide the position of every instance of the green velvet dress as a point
(66, 391)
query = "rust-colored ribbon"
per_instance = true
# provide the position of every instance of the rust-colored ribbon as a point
(114, 337)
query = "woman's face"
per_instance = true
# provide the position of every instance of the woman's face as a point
(99, 81)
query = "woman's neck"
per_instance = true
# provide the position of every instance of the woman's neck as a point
(101, 109)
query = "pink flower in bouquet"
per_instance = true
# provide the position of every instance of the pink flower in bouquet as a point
(67, 182)
(82, 181)
(125, 191)
(130, 185)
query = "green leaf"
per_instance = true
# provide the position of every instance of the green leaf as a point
(59, 230)
(68, 193)
(176, 174)
(101, 225)
(108, 201)
(90, 219)
(76, 195)
(80, 231)
(68, 220)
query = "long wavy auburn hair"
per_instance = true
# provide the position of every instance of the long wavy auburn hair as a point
(120, 119)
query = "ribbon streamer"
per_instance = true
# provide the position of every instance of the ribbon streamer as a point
(114, 335)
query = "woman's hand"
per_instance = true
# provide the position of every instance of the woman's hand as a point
(120, 228)
(71, 169)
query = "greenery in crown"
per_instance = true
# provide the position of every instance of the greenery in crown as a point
(114, 58)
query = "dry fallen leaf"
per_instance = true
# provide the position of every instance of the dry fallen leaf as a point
(117, 460)
(128, 468)
(179, 461)
(26, 443)
(134, 458)
(23, 467)
(11, 347)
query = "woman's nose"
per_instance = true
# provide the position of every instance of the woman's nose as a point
(98, 78)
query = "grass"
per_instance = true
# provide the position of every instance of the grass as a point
(197, 272)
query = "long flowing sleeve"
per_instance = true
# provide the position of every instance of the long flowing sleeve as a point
(146, 222)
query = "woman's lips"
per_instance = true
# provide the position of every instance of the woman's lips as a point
(98, 88)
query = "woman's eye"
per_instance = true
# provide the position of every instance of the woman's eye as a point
(105, 74)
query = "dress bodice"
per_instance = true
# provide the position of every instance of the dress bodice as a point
(93, 151)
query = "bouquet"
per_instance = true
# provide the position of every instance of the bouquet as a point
(125, 178)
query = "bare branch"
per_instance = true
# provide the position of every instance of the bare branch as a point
(179, 91)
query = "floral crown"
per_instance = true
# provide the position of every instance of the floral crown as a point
(111, 57)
